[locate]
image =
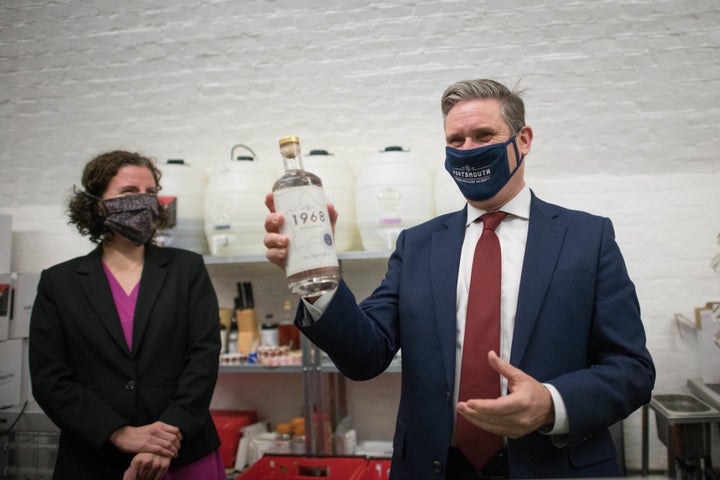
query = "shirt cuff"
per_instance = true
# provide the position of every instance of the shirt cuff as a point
(313, 311)
(562, 425)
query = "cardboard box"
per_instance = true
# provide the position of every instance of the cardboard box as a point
(24, 289)
(13, 361)
(5, 242)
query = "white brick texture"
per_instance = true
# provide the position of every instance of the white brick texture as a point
(624, 98)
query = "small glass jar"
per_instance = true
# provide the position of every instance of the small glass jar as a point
(269, 332)
(298, 441)
(283, 438)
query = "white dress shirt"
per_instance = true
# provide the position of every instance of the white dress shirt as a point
(512, 234)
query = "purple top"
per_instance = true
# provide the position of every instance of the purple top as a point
(210, 467)
(124, 303)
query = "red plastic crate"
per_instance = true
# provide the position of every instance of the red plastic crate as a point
(229, 424)
(298, 467)
(377, 469)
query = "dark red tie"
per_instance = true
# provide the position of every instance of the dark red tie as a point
(482, 334)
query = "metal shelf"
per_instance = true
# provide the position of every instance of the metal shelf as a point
(260, 258)
(394, 367)
(254, 368)
(323, 384)
(325, 366)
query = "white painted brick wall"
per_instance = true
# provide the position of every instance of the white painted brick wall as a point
(624, 98)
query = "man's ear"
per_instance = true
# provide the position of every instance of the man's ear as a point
(524, 140)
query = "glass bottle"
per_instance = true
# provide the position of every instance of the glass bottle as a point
(288, 334)
(223, 339)
(232, 339)
(269, 332)
(283, 438)
(312, 266)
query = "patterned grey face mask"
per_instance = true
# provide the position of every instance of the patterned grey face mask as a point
(132, 216)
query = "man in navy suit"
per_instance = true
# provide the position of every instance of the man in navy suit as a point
(572, 358)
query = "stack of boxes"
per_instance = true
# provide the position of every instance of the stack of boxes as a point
(29, 439)
(17, 294)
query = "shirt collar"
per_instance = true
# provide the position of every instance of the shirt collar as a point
(518, 206)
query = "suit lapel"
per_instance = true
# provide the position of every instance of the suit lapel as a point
(444, 264)
(546, 232)
(97, 289)
(151, 283)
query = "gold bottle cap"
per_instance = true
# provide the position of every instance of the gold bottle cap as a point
(286, 140)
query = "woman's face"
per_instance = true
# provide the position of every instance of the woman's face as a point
(130, 180)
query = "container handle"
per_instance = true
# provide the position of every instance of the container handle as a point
(319, 152)
(232, 151)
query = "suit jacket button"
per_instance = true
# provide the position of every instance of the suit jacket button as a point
(437, 467)
(129, 386)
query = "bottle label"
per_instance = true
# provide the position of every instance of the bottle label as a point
(307, 224)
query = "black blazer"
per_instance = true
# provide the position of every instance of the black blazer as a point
(90, 384)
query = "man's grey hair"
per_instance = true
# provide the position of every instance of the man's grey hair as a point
(512, 107)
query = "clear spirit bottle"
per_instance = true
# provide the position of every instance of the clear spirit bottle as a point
(311, 266)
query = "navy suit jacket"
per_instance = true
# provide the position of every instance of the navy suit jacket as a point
(577, 327)
(90, 383)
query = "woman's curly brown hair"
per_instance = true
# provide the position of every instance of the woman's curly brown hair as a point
(85, 210)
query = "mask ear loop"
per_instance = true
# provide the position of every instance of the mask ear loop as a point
(100, 202)
(518, 158)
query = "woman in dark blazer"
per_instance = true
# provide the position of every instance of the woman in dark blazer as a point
(124, 342)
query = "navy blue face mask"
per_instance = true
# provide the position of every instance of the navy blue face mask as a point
(480, 173)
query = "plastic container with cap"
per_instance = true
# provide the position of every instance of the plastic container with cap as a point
(235, 205)
(182, 194)
(393, 191)
(447, 195)
(339, 185)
